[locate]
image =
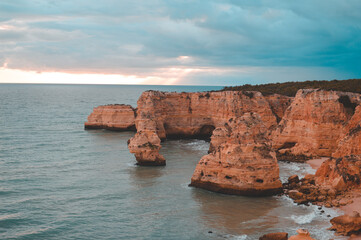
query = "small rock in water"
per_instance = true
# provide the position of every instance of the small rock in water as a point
(275, 236)
(303, 234)
(210, 232)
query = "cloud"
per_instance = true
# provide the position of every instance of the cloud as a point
(146, 37)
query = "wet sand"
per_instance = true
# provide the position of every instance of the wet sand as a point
(316, 163)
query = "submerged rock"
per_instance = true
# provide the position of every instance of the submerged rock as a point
(275, 236)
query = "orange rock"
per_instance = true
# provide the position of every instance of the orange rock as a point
(303, 234)
(279, 104)
(112, 117)
(340, 174)
(347, 224)
(195, 115)
(146, 145)
(314, 122)
(350, 141)
(242, 163)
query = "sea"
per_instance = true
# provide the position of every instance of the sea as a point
(59, 181)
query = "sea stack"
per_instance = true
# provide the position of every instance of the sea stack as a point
(241, 162)
(117, 117)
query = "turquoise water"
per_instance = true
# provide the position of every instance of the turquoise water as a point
(58, 181)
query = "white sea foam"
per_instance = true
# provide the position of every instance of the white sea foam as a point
(241, 237)
(304, 219)
(289, 169)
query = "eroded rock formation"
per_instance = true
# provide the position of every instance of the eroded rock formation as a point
(350, 141)
(279, 104)
(302, 234)
(191, 115)
(332, 184)
(347, 224)
(112, 117)
(246, 129)
(313, 124)
(241, 161)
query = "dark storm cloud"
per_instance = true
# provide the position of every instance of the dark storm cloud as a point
(139, 36)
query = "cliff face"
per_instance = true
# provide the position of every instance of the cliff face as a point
(241, 161)
(196, 115)
(313, 123)
(340, 174)
(350, 140)
(112, 117)
(279, 104)
(247, 131)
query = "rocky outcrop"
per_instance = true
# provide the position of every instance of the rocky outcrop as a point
(275, 236)
(241, 160)
(118, 117)
(340, 174)
(192, 115)
(331, 186)
(246, 131)
(347, 224)
(313, 123)
(145, 146)
(350, 140)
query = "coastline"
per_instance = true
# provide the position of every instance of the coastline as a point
(347, 209)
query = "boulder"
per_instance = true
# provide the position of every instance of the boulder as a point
(303, 234)
(347, 224)
(275, 236)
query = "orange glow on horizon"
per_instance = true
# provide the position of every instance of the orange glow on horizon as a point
(20, 76)
(160, 76)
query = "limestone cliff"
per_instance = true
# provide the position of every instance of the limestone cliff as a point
(279, 104)
(241, 161)
(195, 115)
(112, 117)
(246, 129)
(340, 174)
(350, 140)
(313, 123)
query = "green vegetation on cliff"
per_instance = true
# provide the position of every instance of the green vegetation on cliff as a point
(291, 88)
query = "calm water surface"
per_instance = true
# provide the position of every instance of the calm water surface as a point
(58, 181)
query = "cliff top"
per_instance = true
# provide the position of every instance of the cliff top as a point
(290, 88)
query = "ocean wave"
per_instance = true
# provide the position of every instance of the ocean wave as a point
(9, 216)
(304, 219)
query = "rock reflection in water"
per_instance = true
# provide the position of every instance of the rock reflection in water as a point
(227, 213)
(142, 177)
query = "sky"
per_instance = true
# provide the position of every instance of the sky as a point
(189, 42)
